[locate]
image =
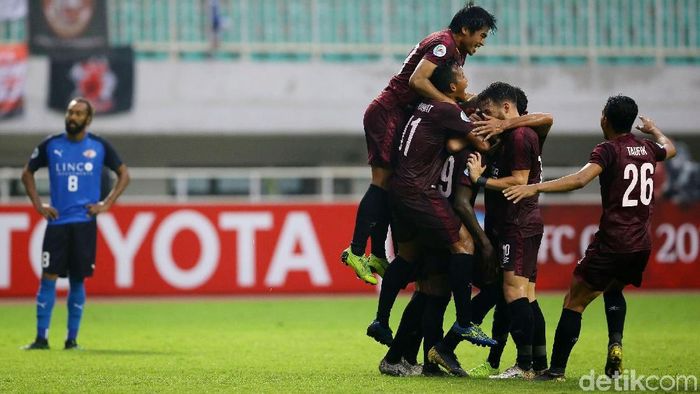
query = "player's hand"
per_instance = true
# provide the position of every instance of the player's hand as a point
(48, 212)
(489, 127)
(648, 126)
(96, 209)
(517, 193)
(475, 167)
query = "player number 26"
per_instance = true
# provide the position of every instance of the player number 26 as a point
(642, 174)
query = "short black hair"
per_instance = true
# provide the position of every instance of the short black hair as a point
(473, 18)
(521, 102)
(500, 92)
(443, 76)
(621, 112)
(86, 102)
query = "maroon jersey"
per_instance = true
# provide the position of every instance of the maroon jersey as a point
(421, 151)
(520, 150)
(627, 192)
(454, 173)
(438, 48)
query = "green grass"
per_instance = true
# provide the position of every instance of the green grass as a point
(301, 345)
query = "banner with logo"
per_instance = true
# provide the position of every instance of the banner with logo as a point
(292, 249)
(59, 25)
(13, 77)
(106, 79)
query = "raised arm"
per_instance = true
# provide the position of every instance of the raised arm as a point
(649, 127)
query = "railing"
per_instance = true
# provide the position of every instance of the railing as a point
(253, 185)
(646, 31)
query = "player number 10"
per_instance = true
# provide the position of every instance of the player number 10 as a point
(72, 183)
(644, 175)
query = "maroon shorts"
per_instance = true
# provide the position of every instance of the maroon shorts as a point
(519, 255)
(381, 127)
(427, 215)
(599, 269)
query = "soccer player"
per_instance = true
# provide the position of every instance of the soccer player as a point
(517, 228)
(75, 160)
(418, 208)
(389, 111)
(620, 249)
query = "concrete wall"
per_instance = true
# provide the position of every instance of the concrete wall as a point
(239, 98)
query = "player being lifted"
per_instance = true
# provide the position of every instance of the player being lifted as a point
(618, 254)
(388, 113)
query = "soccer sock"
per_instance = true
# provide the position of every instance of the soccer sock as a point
(499, 331)
(565, 338)
(45, 299)
(521, 329)
(615, 311)
(369, 213)
(460, 279)
(396, 278)
(539, 338)
(433, 319)
(76, 302)
(484, 301)
(379, 231)
(409, 329)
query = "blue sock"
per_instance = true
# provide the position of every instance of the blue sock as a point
(45, 299)
(76, 302)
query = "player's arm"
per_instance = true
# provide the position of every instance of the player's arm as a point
(465, 210)
(420, 81)
(122, 182)
(564, 184)
(476, 170)
(649, 127)
(540, 122)
(29, 183)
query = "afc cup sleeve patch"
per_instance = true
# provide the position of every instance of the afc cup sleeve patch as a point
(35, 153)
(464, 117)
(440, 50)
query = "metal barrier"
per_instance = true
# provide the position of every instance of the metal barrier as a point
(254, 185)
(617, 31)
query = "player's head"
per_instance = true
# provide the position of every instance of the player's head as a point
(619, 114)
(471, 26)
(78, 115)
(449, 79)
(499, 100)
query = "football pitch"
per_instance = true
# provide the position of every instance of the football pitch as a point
(304, 345)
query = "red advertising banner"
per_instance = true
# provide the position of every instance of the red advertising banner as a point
(292, 249)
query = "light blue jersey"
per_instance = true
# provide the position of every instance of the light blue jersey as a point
(75, 173)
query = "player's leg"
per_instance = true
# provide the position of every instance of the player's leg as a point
(499, 332)
(539, 333)
(377, 261)
(615, 312)
(408, 333)
(396, 277)
(433, 319)
(578, 297)
(519, 261)
(53, 263)
(81, 265)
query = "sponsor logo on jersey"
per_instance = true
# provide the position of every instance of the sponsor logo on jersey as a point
(440, 50)
(73, 168)
(90, 153)
(58, 152)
